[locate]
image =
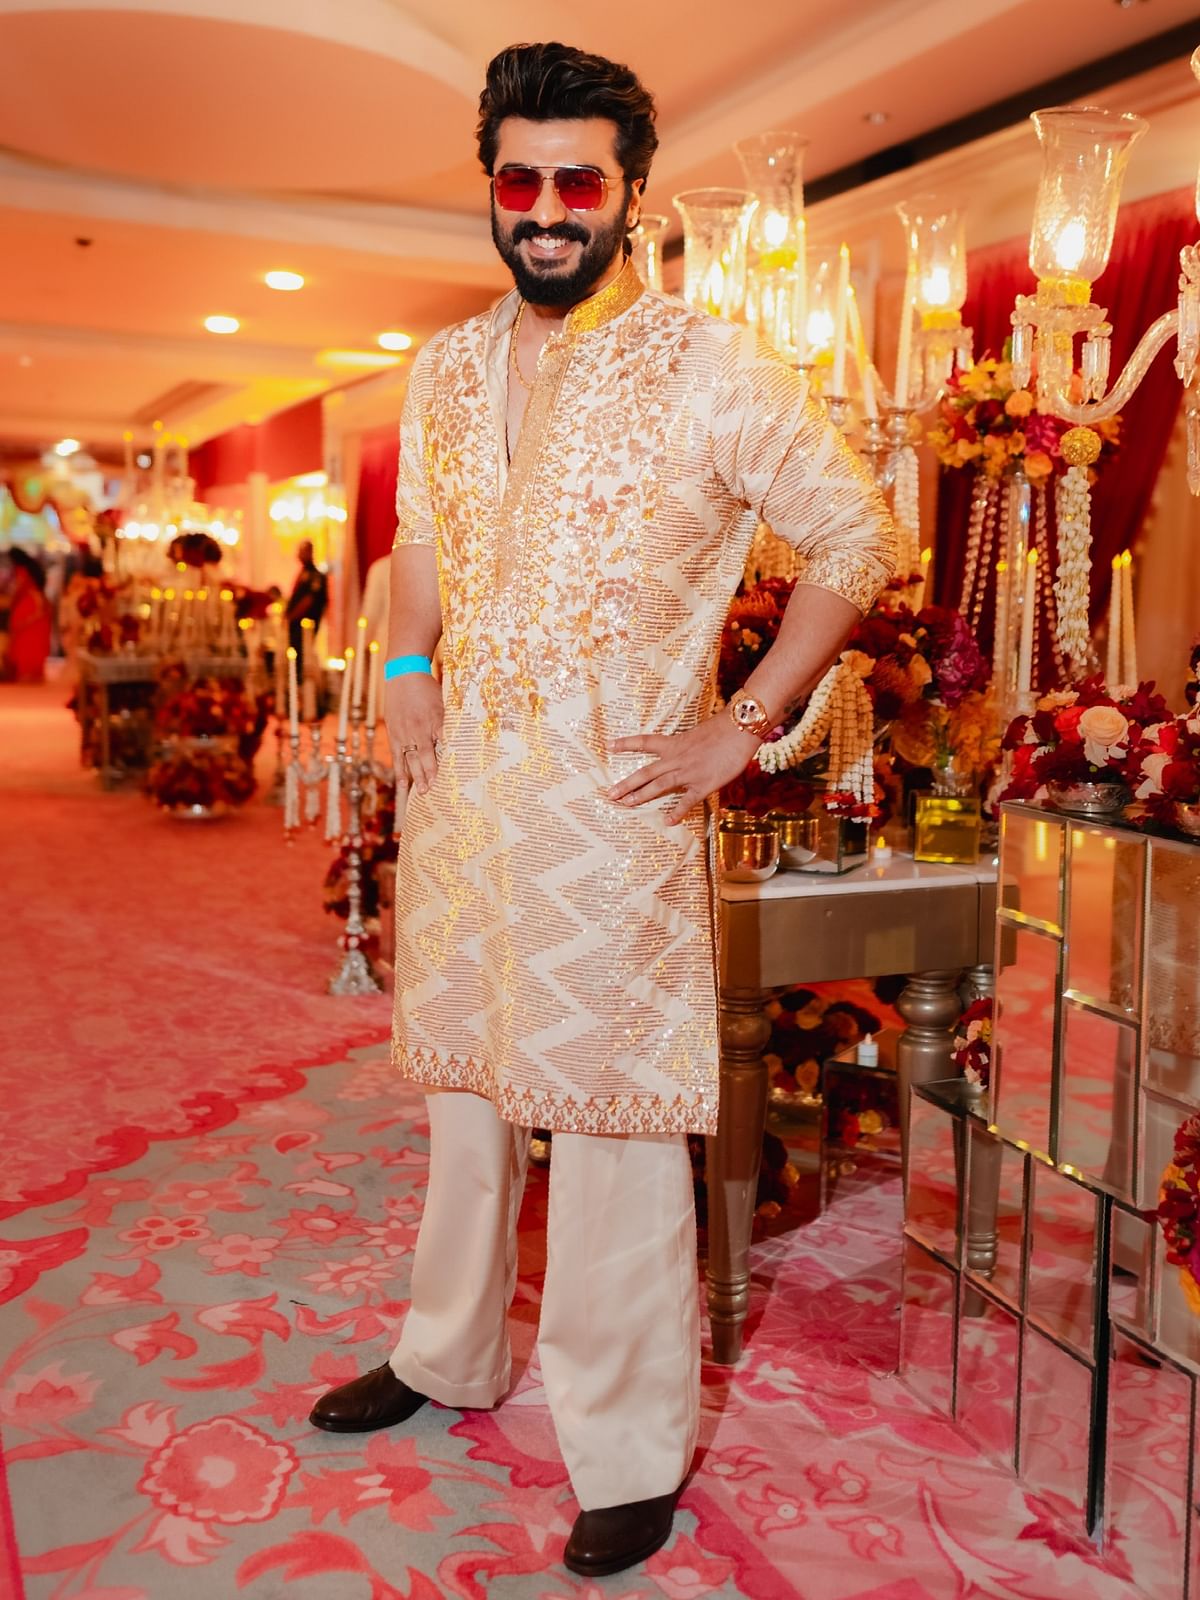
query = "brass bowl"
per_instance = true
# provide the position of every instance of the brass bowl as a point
(747, 849)
(798, 838)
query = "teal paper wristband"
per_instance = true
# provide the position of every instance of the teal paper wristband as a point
(400, 666)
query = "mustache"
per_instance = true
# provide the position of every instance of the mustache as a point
(570, 231)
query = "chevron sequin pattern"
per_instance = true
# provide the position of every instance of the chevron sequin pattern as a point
(554, 951)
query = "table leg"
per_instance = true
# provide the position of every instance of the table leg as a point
(734, 1157)
(930, 1006)
(106, 773)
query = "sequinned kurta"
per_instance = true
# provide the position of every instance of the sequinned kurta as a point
(554, 951)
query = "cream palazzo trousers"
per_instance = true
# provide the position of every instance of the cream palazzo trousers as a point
(619, 1337)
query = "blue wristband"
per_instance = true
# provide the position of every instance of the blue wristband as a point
(400, 666)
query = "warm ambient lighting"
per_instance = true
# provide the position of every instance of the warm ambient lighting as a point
(222, 324)
(395, 340)
(363, 359)
(283, 280)
(67, 447)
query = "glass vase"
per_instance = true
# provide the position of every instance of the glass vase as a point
(716, 225)
(947, 820)
(1084, 154)
(776, 298)
(646, 256)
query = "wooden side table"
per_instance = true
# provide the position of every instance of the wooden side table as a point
(927, 920)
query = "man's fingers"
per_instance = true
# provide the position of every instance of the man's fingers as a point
(422, 764)
(651, 744)
(683, 805)
(635, 780)
(653, 786)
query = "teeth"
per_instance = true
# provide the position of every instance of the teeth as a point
(545, 242)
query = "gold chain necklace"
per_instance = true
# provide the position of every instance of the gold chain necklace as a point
(514, 360)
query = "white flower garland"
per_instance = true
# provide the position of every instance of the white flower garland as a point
(840, 708)
(1073, 505)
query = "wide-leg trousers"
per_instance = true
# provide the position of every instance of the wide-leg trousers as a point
(619, 1337)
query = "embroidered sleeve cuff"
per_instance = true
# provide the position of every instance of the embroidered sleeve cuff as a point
(856, 578)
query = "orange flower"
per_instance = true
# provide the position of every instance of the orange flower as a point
(1038, 465)
(1019, 403)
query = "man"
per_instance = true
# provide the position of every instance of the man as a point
(307, 601)
(582, 471)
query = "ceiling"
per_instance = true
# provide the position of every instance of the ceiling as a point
(196, 144)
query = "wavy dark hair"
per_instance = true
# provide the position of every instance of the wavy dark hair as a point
(548, 82)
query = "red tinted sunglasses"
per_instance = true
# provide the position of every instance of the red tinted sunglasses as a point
(579, 188)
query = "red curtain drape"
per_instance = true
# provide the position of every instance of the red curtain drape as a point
(375, 508)
(1139, 284)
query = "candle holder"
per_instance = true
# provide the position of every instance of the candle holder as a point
(353, 767)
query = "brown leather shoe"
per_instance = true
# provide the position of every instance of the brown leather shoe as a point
(617, 1537)
(376, 1400)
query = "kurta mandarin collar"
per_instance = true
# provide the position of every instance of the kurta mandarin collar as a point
(599, 309)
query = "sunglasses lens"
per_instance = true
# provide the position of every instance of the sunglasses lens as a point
(517, 188)
(579, 188)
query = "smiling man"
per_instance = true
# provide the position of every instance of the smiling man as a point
(582, 471)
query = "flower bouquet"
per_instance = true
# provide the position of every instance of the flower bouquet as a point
(1179, 1210)
(194, 549)
(199, 783)
(973, 1044)
(1082, 748)
(1166, 775)
(209, 732)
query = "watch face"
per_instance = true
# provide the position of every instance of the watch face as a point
(748, 712)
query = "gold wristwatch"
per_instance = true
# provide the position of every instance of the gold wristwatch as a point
(750, 715)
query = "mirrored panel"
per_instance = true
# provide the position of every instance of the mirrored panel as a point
(927, 1327)
(1064, 1226)
(1177, 1310)
(989, 1339)
(1031, 851)
(1173, 971)
(1096, 1109)
(1146, 1495)
(931, 1199)
(994, 1226)
(1023, 1036)
(1056, 1416)
(1131, 1271)
(1160, 1122)
(1104, 914)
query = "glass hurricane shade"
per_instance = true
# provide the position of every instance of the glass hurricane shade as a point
(776, 303)
(937, 253)
(646, 255)
(821, 319)
(1196, 71)
(1084, 154)
(716, 224)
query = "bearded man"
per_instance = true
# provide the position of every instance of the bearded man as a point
(582, 471)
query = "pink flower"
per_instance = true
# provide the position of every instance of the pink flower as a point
(48, 1395)
(163, 1233)
(322, 1222)
(213, 1194)
(685, 1573)
(219, 1471)
(239, 1252)
(737, 1461)
(773, 1511)
(349, 1278)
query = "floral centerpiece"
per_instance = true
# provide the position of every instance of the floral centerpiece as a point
(107, 620)
(210, 731)
(1179, 1210)
(1166, 774)
(199, 782)
(973, 1043)
(194, 549)
(1085, 735)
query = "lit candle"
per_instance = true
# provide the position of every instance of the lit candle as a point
(862, 359)
(293, 694)
(1028, 608)
(801, 290)
(1129, 670)
(373, 685)
(922, 581)
(1112, 660)
(1000, 656)
(360, 662)
(904, 345)
(310, 700)
(841, 320)
(344, 708)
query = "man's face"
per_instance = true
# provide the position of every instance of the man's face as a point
(558, 256)
(305, 552)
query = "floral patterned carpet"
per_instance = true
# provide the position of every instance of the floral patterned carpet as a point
(201, 1236)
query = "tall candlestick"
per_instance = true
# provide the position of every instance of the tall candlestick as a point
(344, 709)
(801, 290)
(1028, 608)
(373, 686)
(1129, 661)
(837, 381)
(923, 580)
(360, 662)
(293, 695)
(904, 343)
(310, 700)
(1000, 653)
(862, 359)
(1112, 659)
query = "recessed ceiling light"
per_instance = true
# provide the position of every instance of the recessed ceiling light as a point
(877, 118)
(283, 280)
(395, 340)
(67, 447)
(222, 324)
(24, 361)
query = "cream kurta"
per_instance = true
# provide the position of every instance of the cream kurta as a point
(554, 951)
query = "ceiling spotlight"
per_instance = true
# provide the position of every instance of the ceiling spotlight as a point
(877, 118)
(395, 340)
(222, 324)
(24, 361)
(67, 447)
(283, 280)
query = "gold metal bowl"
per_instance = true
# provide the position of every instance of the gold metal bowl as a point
(747, 848)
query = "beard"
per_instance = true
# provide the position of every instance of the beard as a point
(546, 283)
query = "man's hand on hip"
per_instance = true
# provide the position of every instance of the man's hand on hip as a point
(690, 765)
(412, 707)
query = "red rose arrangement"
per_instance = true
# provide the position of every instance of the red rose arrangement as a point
(207, 708)
(1082, 735)
(1179, 1210)
(184, 778)
(194, 549)
(1167, 769)
(973, 1043)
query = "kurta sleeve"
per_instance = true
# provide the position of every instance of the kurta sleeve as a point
(414, 504)
(775, 448)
